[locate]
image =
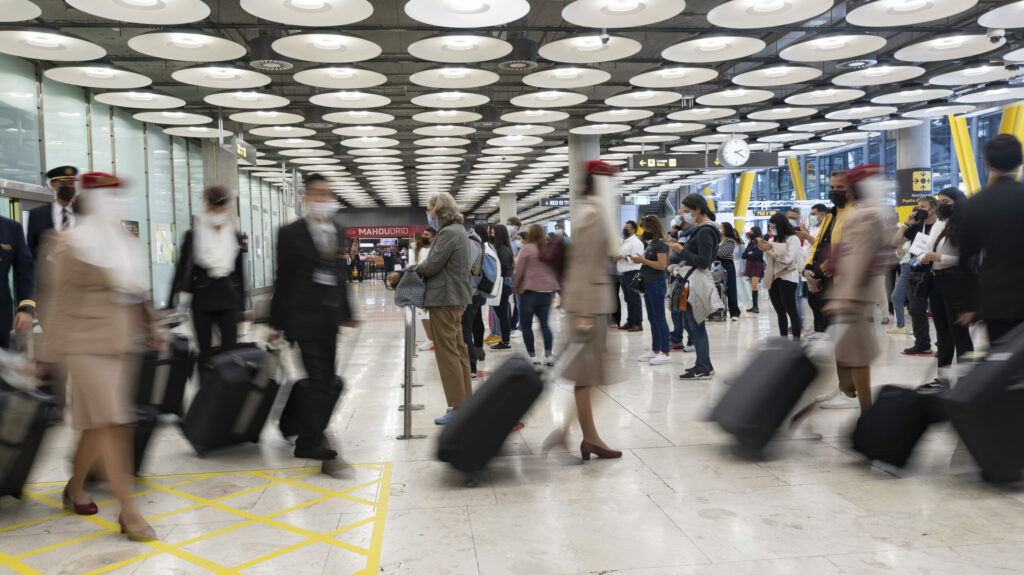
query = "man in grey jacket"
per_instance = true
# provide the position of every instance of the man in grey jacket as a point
(446, 273)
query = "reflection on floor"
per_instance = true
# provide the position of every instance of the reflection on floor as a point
(678, 502)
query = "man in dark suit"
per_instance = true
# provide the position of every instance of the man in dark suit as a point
(310, 303)
(14, 255)
(58, 215)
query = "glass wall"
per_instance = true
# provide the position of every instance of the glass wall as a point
(161, 214)
(102, 156)
(130, 164)
(245, 222)
(256, 238)
(65, 129)
(19, 122)
(182, 203)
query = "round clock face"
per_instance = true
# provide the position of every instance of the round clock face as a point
(733, 153)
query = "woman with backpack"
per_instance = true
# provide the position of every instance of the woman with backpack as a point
(535, 284)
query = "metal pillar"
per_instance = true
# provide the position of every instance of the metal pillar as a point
(408, 406)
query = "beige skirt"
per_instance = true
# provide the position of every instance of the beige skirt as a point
(858, 344)
(588, 367)
(101, 389)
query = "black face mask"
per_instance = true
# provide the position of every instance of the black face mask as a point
(838, 198)
(945, 211)
(66, 193)
(648, 236)
(425, 241)
(626, 233)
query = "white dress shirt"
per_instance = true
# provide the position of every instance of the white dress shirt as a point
(949, 254)
(58, 216)
(631, 246)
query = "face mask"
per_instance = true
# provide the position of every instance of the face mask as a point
(625, 233)
(838, 198)
(945, 211)
(773, 231)
(218, 220)
(648, 236)
(559, 233)
(511, 230)
(676, 222)
(432, 221)
(66, 193)
(322, 211)
(794, 223)
(425, 242)
(689, 218)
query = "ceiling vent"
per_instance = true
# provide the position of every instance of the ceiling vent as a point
(523, 57)
(264, 58)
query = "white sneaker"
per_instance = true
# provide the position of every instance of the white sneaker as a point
(425, 346)
(826, 396)
(689, 349)
(516, 333)
(841, 401)
(647, 356)
(660, 359)
(535, 360)
(815, 335)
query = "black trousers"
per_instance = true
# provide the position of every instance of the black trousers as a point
(949, 336)
(468, 319)
(504, 311)
(817, 303)
(919, 319)
(478, 323)
(617, 314)
(203, 322)
(783, 297)
(318, 357)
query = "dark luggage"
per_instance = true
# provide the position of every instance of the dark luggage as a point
(479, 427)
(163, 375)
(986, 405)
(299, 407)
(233, 401)
(762, 395)
(890, 429)
(24, 418)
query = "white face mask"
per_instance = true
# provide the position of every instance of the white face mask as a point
(322, 211)
(794, 223)
(689, 218)
(217, 220)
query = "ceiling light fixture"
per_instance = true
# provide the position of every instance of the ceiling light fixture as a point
(769, 6)
(310, 5)
(454, 73)
(460, 43)
(450, 96)
(776, 72)
(467, 6)
(566, 73)
(188, 41)
(222, 73)
(140, 96)
(247, 96)
(100, 73)
(622, 6)
(829, 43)
(44, 40)
(910, 6)
(327, 43)
(712, 44)
(447, 113)
(878, 72)
(589, 44)
(341, 73)
(947, 43)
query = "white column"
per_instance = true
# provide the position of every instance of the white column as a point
(582, 149)
(507, 207)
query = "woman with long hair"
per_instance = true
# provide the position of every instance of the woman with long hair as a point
(503, 245)
(754, 270)
(730, 239)
(782, 274)
(535, 284)
(419, 255)
(654, 262)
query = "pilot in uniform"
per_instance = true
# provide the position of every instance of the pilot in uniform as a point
(59, 215)
(14, 255)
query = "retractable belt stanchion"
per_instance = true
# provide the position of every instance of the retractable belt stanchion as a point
(410, 343)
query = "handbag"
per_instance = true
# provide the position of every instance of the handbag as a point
(637, 284)
(411, 290)
(680, 292)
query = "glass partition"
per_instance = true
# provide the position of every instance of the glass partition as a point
(65, 130)
(256, 238)
(182, 202)
(245, 223)
(19, 122)
(130, 164)
(161, 214)
(102, 157)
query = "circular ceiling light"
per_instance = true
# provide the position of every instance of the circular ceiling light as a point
(932, 110)
(358, 117)
(350, 99)
(104, 77)
(247, 100)
(374, 152)
(282, 132)
(1001, 92)
(460, 48)
(445, 130)
(674, 128)
(905, 12)
(524, 130)
(780, 75)
(1015, 56)
(326, 48)
(673, 77)
(976, 74)
(735, 97)
(316, 161)
(833, 47)
(642, 99)
(306, 153)
(450, 100)
(951, 47)
(651, 139)
(506, 150)
(911, 95)
(454, 78)
(446, 117)
(819, 126)
(774, 114)
(266, 117)
(713, 49)
(534, 116)
(294, 143)
(19, 11)
(566, 77)
(701, 114)
(221, 77)
(38, 44)
(340, 78)
(514, 140)
(889, 125)
(786, 137)
(850, 137)
(548, 99)
(144, 100)
(186, 47)
(196, 132)
(1009, 16)
(620, 115)
(878, 75)
(589, 49)
(442, 142)
(861, 113)
(360, 131)
(621, 13)
(818, 146)
(749, 126)
(370, 142)
(466, 13)
(159, 12)
(822, 96)
(600, 129)
(310, 12)
(718, 138)
(173, 118)
(753, 14)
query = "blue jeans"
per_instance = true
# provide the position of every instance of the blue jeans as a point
(678, 324)
(654, 297)
(699, 333)
(504, 312)
(801, 292)
(534, 303)
(899, 295)
(634, 307)
(515, 312)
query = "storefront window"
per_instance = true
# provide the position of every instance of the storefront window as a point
(19, 122)
(983, 129)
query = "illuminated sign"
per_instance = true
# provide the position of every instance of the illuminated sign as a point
(555, 202)
(383, 231)
(697, 161)
(245, 151)
(641, 200)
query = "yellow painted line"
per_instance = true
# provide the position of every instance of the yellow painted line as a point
(373, 559)
(17, 566)
(120, 564)
(62, 544)
(338, 494)
(34, 521)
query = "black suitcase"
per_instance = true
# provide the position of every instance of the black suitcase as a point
(479, 427)
(985, 408)
(163, 375)
(890, 429)
(24, 418)
(234, 400)
(297, 408)
(762, 395)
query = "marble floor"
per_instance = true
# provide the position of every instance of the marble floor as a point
(678, 502)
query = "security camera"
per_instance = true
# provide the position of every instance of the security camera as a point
(995, 35)
(605, 37)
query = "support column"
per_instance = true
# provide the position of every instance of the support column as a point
(507, 207)
(582, 149)
(797, 176)
(913, 167)
(739, 211)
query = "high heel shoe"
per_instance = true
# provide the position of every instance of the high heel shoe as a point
(89, 508)
(588, 449)
(144, 535)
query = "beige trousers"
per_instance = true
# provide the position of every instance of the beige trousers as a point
(451, 353)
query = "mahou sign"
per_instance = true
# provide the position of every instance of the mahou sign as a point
(384, 231)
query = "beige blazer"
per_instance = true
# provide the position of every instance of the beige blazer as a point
(587, 289)
(863, 239)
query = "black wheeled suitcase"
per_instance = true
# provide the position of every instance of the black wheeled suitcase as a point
(890, 429)
(479, 427)
(24, 418)
(763, 394)
(985, 407)
(163, 375)
(299, 407)
(234, 400)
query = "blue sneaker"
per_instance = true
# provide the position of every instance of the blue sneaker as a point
(444, 418)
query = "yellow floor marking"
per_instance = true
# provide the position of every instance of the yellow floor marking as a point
(17, 566)
(62, 544)
(120, 564)
(373, 560)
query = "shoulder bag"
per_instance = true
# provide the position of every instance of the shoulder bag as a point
(411, 290)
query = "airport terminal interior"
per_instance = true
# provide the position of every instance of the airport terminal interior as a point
(748, 109)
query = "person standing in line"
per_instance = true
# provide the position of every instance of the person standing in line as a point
(210, 268)
(982, 225)
(449, 289)
(782, 256)
(680, 327)
(58, 215)
(809, 236)
(535, 283)
(507, 260)
(654, 263)
(806, 241)
(631, 246)
(730, 239)
(420, 255)
(901, 289)
(472, 312)
(514, 227)
(921, 221)
(944, 256)
(818, 270)
(310, 303)
(755, 266)
(483, 232)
